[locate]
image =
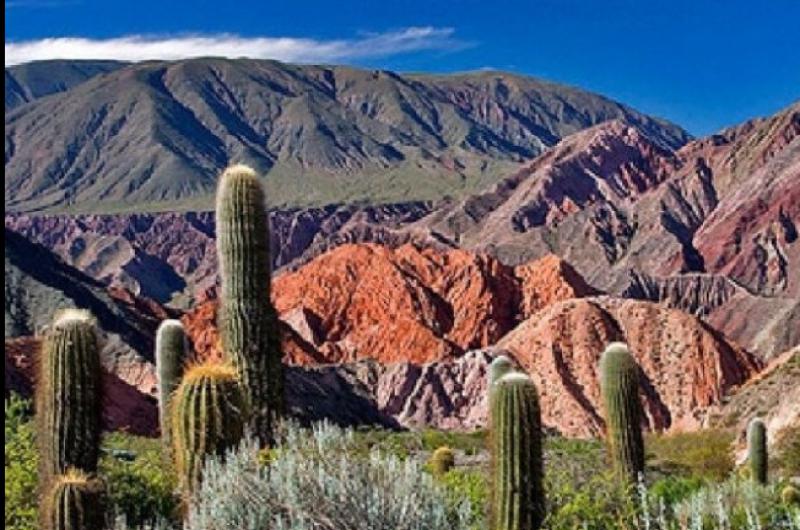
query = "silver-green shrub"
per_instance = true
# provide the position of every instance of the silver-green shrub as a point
(320, 480)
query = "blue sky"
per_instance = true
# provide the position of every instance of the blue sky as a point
(703, 64)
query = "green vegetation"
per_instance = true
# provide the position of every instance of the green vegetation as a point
(21, 465)
(706, 454)
(141, 485)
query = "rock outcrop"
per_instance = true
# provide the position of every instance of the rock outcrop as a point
(406, 304)
(686, 366)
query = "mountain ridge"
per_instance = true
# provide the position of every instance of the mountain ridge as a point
(322, 134)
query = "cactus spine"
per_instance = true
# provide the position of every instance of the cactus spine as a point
(757, 450)
(442, 461)
(247, 319)
(516, 445)
(68, 396)
(208, 416)
(623, 411)
(75, 502)
(171, 352)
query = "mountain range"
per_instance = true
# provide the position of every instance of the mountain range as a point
(155, 135)
(420, 225)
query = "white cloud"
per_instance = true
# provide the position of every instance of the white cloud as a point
(299, 50)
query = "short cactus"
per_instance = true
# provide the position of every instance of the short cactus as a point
(623, 411)
(208, 415)
(442, 460)
(171, 356)
(518, 499)
(75, 501)
(68, 396)
(790, 496)
(247, 319)
(757, 450)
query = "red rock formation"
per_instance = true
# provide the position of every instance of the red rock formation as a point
(687, 366)
(408, 304)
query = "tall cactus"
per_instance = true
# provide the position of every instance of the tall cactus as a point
(208, 416)
(518, 499)
(171, 356)
(68, 396)
(75, 501)
(247, 319)
(623, 411)
(757, 450)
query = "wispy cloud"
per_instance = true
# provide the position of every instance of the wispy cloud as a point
(289, 49)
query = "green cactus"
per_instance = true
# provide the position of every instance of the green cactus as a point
(171, 357)
(518, 500)
(208, 418)
(623, 411)
(247, 318)
(442, 460)
(75, 501)
(757, 450)
(68, 396)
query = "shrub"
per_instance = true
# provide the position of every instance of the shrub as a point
(706, 454)
(317, 481)
(141, 487)
(21, 466)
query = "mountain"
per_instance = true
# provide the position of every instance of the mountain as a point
(619, 207)
(31, 81)
(155, 135)
(710, 228)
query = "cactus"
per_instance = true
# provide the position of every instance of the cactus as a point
(442, 461)
(68, 396)
(75, 501)
(757, 450)
(247, 319)
(171, 354)
(500, 366)
(208, 416)
(516, 450)
(790, 496)
(623, 410)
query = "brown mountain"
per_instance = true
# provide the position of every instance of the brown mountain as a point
(155, 135)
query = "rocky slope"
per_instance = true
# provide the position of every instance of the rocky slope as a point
(772, 395)
(37, 284)
(162, 256)
(27, 82)
(155, 135)
(686, 366)
(406, 304)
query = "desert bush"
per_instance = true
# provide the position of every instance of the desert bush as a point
(317, 481)
(141, 481)
(21, 466)
(705, 454)
(787, 448)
